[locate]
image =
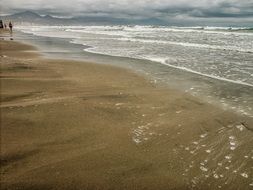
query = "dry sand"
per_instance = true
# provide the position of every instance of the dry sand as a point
(78, 125)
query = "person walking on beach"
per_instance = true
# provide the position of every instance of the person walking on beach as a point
(10, 26)
(1, 24)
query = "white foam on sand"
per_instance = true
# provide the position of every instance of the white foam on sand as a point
(228, 157)
(204, 169)
(245, 175)
(216, 176)
(232, 148)
(203, 135)
(232, 143)
(119, 104)
(240, 127)
(208, 151)
(140, 132)
(136, 140)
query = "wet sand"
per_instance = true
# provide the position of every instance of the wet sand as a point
(78, 125)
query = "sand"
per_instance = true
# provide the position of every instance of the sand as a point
(79, 125)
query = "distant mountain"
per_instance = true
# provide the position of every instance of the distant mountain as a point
(31, 18)
(25, 15)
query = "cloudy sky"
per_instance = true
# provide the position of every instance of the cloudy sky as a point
(240, 11)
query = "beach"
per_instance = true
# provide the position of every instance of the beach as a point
(69, 124)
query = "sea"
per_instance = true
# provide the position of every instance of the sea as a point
(214, 64)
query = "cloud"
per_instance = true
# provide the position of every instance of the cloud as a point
(163, 9)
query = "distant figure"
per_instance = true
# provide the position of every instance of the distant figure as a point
(1, 24)
(5, 26)
(10, 26)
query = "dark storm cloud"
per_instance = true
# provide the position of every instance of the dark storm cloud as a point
(163, 9)
(220, 9)
(225, 9)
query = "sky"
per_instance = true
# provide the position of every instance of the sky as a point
(210, 11)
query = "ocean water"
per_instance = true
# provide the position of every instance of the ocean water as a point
(214, 63)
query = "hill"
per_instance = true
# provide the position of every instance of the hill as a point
(32, 18)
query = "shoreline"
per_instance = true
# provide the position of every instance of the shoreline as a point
(226, 95)
(72, 124)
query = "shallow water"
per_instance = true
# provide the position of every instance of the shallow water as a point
(214, 64)
(223, 54)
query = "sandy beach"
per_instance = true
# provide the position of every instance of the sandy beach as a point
(79, 125)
